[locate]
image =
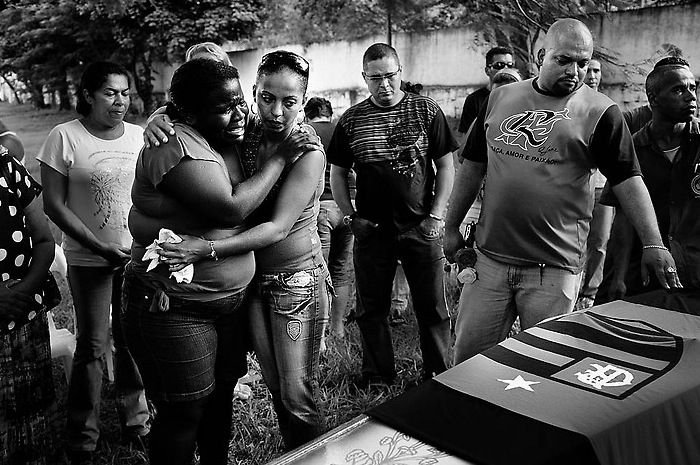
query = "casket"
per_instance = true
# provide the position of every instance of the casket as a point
(618, 384)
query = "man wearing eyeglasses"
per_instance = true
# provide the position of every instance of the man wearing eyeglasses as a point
(399, 144)
(497, 58)
(541, 140)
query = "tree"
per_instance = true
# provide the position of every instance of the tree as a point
(149, 31)
(46, 42)
(337, 19)
(520, 23)
(42, 42)
(517, 23)
(11, 80)
(312, 21)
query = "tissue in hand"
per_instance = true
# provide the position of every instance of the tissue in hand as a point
(165, 235)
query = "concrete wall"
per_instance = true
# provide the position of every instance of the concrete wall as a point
(639, 38)
(449, 63)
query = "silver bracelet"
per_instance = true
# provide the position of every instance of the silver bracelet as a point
(213, 254)
(662, 247)
(435, 217)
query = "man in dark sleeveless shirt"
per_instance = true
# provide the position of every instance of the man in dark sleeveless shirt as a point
(542, 140)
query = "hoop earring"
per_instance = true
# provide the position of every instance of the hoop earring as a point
(254, 109)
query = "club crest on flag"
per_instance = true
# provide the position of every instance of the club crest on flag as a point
(612, 357)
(605, 376)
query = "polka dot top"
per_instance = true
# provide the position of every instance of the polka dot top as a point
(17, 190)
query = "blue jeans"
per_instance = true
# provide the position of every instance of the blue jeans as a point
(93, 290)
(422, 260)
(286, 316)
(488, 307)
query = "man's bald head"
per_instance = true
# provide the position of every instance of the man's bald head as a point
(568, 29)
(567, 50)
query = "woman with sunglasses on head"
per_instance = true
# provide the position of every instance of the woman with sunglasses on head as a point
(187, 336)
(288, 300)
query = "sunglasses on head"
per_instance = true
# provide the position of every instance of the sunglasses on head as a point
(285, 58)
(501, 65)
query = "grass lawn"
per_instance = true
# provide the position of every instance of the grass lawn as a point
(255, 436)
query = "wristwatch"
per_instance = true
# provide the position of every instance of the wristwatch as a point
(347, 219)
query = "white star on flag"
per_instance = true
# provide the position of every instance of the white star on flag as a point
(518, 382)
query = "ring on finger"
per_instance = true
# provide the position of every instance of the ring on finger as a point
(671, 270)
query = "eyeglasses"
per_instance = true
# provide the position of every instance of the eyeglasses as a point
(279, 58)
(502, 64)
(381, 77)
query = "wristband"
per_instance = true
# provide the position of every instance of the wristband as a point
(435, 217)
(662, 247)
(212, 254)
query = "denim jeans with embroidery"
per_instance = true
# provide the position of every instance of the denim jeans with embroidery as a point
(287, 315)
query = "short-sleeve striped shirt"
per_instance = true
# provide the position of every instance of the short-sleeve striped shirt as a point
(392, 150)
